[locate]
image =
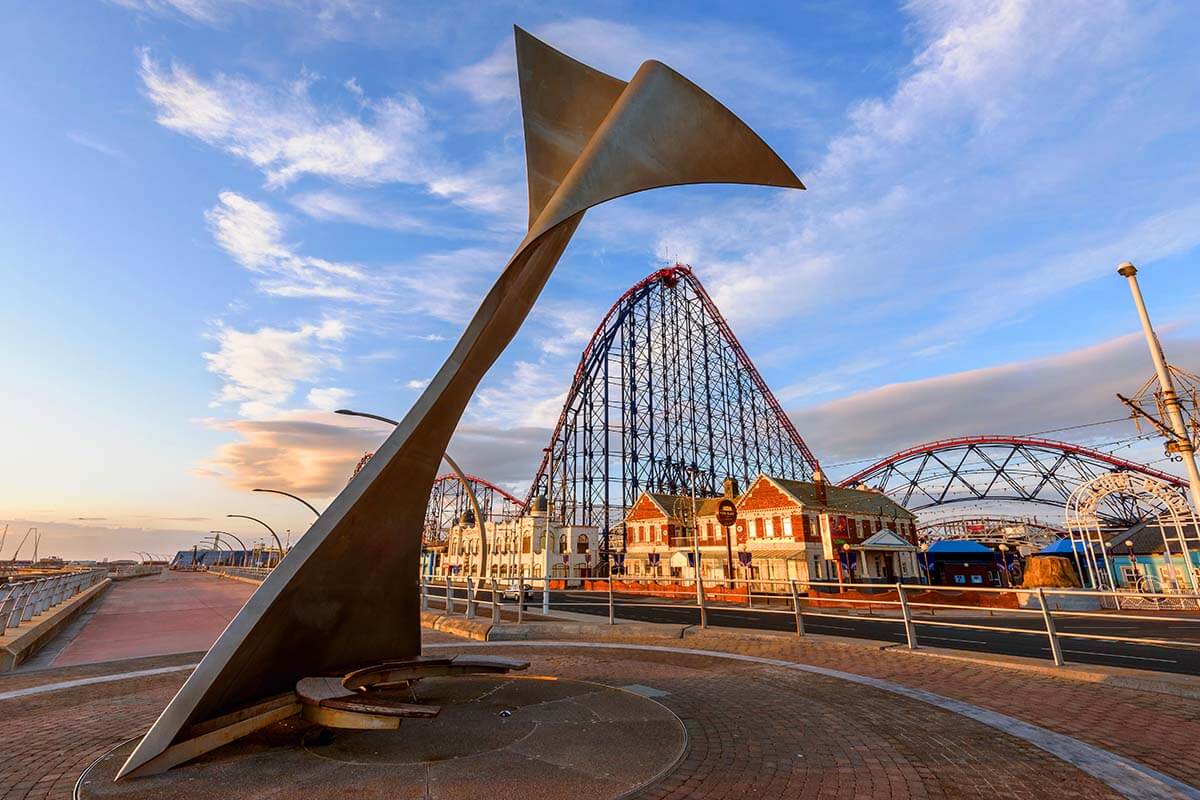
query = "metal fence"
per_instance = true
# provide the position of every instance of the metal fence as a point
(22, 600)
(905, 605)
(253, 573)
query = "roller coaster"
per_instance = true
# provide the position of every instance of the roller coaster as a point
(1005, 469)
(664, 399)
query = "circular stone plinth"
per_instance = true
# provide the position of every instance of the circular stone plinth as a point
(558, 737)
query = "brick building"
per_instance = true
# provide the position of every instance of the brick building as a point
(786, 530)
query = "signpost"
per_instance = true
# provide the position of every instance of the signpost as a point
(727, 516)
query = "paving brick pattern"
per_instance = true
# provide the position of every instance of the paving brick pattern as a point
(754, 730)
(758, 731)
(1160, 731)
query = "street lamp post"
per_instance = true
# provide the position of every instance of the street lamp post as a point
(462, 478)
(294, 497)
(1180, 443)
(274, 535)
(241, 544)
(695, 539)
(1004, 564)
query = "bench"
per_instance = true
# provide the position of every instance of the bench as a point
(371, 698)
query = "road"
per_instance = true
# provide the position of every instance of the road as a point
(1034, 643)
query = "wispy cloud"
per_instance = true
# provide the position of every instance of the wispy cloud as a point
(329, 399)
(261, 368)
(84, 140)
(283, 133)
(253, 235)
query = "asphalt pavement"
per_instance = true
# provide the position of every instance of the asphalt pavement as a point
(1026, 635)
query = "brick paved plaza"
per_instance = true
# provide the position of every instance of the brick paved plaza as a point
(766, 715)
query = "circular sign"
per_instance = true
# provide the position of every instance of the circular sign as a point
(726, 512)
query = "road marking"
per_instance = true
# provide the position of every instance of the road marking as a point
(1130, 778)
(120, 676)
(1116, 655)
(815, 625)
(925, 636)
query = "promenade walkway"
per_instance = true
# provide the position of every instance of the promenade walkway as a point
(766, 715)
(177, 612)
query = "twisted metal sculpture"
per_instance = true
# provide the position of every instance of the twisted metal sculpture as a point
(346, 595)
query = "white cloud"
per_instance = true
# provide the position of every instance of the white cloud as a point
(91, 143)
(529, 396)
(417, 383)
(735, 62)
(1018, 398)
(283, 133)
(329, 399)
(327, 206)
(261, 368)
(253, 235)
(307, 452)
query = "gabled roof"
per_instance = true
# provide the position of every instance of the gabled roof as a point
(838, 498)
(885, 540)
(668, 503)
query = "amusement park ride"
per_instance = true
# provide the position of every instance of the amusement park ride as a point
(663, 387)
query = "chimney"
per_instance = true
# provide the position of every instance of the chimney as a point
(819, 483)
(731, 488)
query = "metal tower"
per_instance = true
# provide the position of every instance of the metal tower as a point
(662, 387)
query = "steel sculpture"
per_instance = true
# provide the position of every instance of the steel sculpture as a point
(346, 594)
(1004, 469)
(662, 388)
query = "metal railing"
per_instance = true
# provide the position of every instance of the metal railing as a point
(253, 573)
(908, 606)
(134, 571)
(22, 600)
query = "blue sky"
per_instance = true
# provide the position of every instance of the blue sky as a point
(224, 218)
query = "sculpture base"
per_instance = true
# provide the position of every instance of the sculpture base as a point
(497, 737)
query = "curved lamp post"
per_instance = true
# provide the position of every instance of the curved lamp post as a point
(265, 525)
(458, 473)
(218, 544)
(241, 544)
(294, 497)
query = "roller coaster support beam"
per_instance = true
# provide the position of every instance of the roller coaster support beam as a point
(1181, 442)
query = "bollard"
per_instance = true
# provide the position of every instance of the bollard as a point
(422, 592)
(546, 596)
(612, 616)
(495, 603)
(470, 598)
(1055, 647)
(909, 629)
(521, 596)
(703, 605)
(796, 607)
(449, 596)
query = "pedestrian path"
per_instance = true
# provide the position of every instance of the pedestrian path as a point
(177, 612)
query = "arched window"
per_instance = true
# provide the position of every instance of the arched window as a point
(581, 544)
(562, 543)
